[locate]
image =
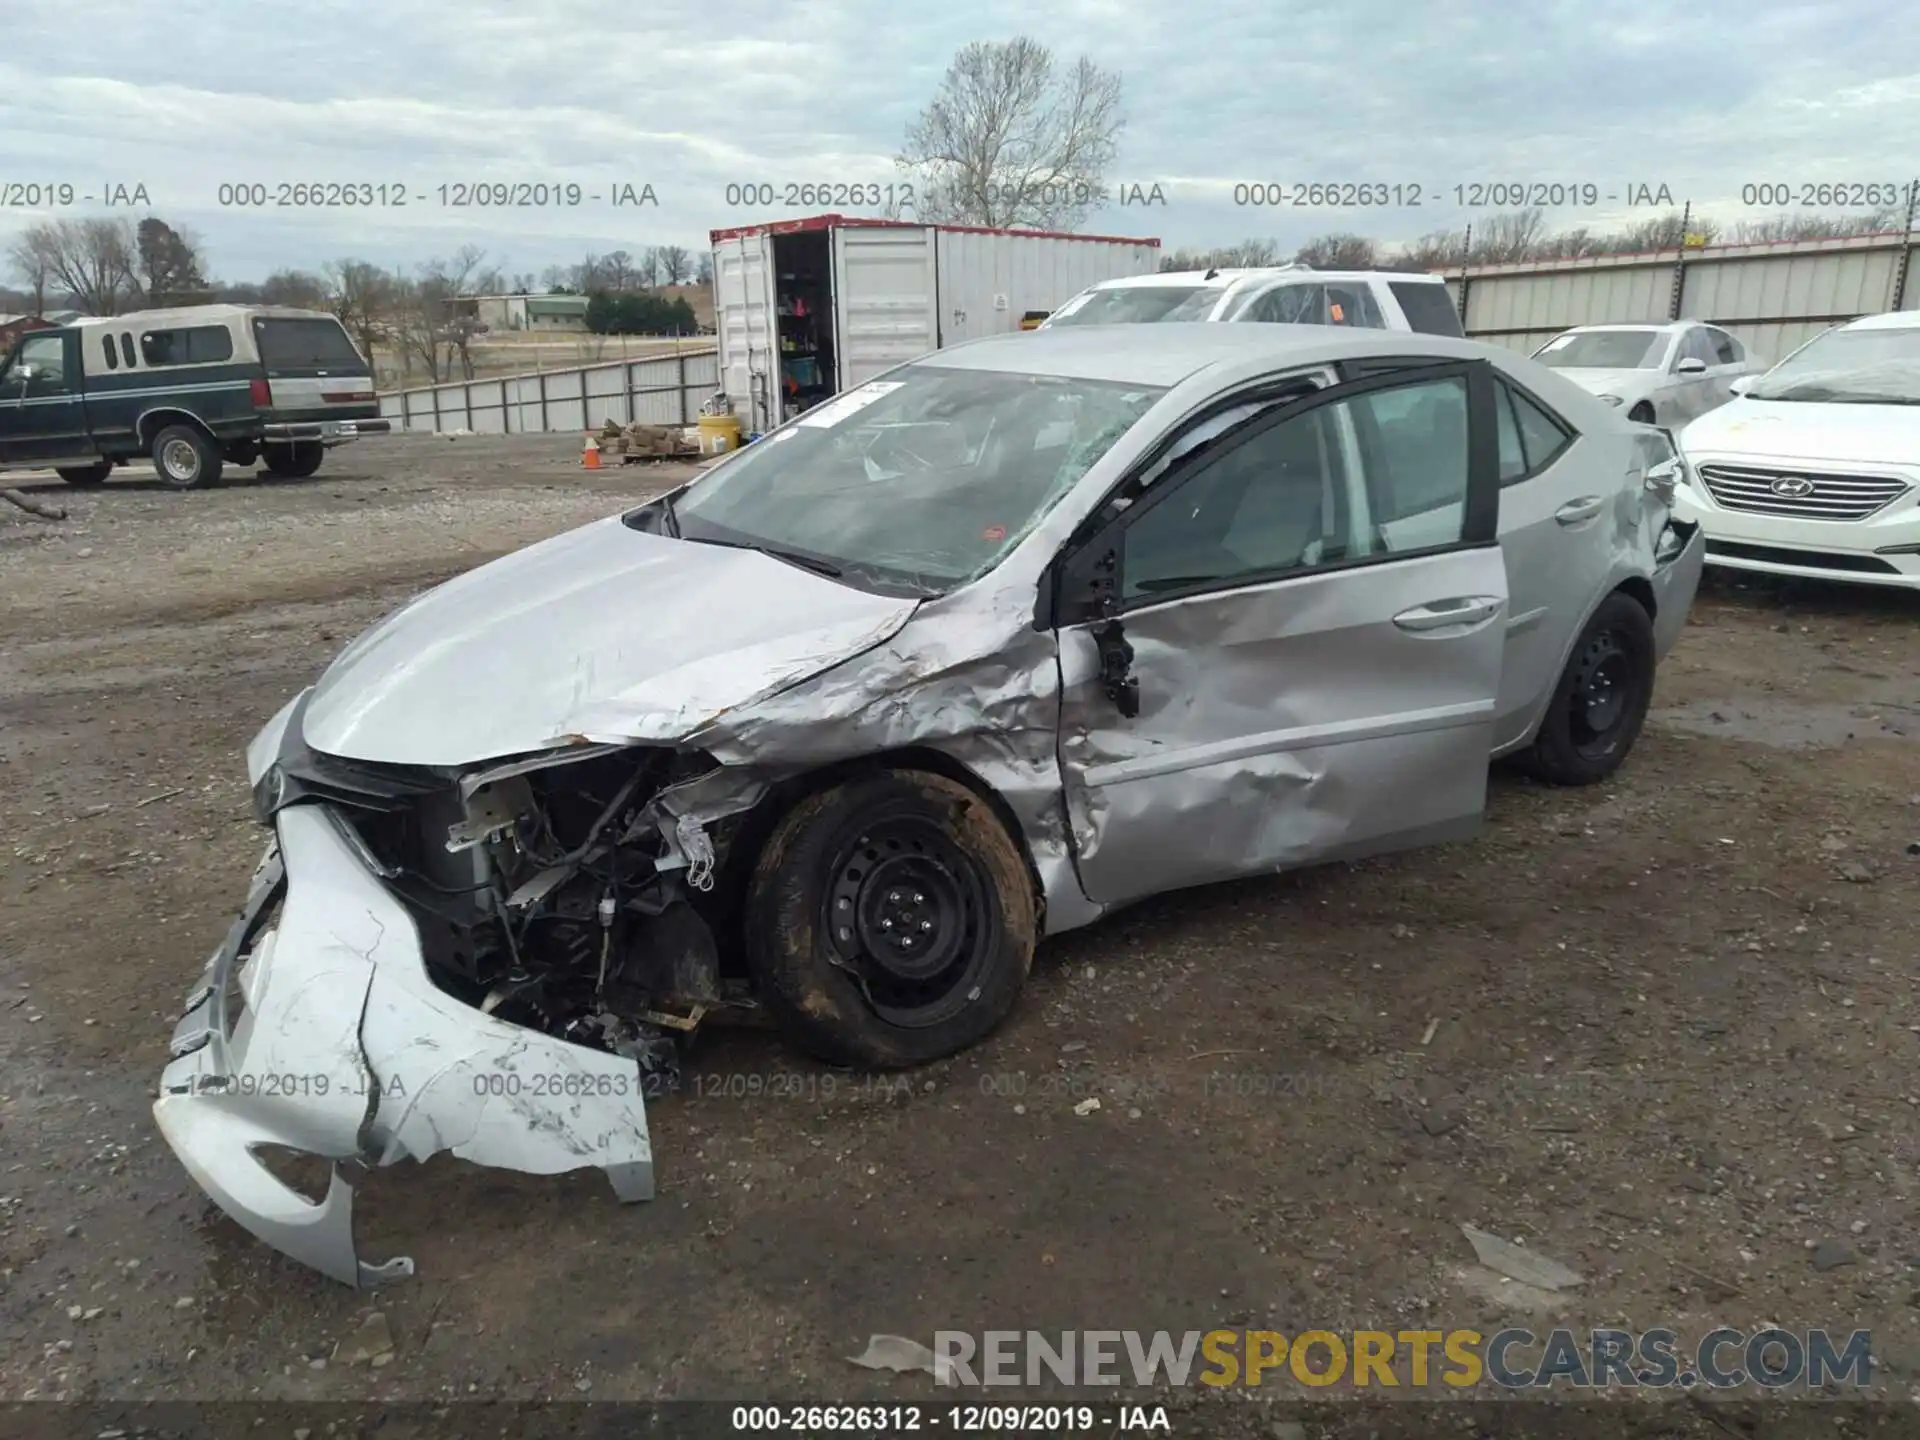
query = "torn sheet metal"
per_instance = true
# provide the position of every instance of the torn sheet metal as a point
(345, 1049)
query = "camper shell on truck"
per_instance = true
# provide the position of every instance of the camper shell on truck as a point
(196, 388)
(804, 309)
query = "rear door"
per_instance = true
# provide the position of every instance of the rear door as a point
(745, 325)
(883, 292)
(1288, 649)
(1553, 511)
(313, 368)
(42, 414)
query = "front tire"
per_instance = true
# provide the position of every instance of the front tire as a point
(86, 474)
(890, 921)
(185, 458)
(296, 461)
(1601, 700)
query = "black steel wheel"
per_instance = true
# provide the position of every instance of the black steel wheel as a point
(1601, 702)
(890, 920)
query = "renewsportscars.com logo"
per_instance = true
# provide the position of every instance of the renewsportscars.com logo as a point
(1512, 1359)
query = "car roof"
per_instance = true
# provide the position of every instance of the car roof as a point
(1891, 320)
(1166, 354)
(1665, 326)
(198, 315)
(1194, 279)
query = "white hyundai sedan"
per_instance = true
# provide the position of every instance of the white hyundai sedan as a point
(1814, 469)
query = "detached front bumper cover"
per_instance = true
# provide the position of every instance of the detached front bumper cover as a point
(322, 1033)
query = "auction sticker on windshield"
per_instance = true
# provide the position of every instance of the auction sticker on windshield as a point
(852, 403)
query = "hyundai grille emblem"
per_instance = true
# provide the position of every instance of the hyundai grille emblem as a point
(1793, 487)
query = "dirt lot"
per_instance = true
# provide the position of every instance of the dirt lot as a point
(1665, 1030)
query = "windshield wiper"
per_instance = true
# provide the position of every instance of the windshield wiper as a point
(672, 525)
(791, 557)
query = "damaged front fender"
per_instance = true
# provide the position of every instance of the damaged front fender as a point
(323, 1034)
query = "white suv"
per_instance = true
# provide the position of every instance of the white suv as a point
(1283, 295)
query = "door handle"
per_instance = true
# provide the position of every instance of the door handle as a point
(1574, 512)
(1442, 614)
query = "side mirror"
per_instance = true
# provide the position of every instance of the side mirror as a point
(1741, 384)
(1690, 366)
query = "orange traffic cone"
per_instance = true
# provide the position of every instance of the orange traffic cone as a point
(590, 456)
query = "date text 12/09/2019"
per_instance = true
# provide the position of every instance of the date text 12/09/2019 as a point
(457, 195)
(896, 1420)
(1472, 195)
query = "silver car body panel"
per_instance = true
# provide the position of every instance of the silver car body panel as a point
(1281, 724)
(345, 1049)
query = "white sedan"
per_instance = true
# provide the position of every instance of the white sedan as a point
(1658, 374)
(1814, 469)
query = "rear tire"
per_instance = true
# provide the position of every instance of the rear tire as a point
(1602, 698)
(86, 474)
(851, 881)
(295, 461)
(185, 458)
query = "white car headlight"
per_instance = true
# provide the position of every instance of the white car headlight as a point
(1612, 399)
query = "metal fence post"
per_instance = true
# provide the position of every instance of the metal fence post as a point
(1680, 265)
(546, 420)
(680, 371)
(586, 415)
(434, 390)
(1905, 260)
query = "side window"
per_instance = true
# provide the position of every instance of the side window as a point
(197, 345)
(108, 350)
(1429, 308)
(126, 348)
(1513, 453)
(1726, 349)
(1380, 473)
(1290, 305)
(1698, 346)
(1354, 305)
(47, 355)
(1542, 436)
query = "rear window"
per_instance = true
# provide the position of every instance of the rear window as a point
(1429, 307)
(192, 345)
(306, 345)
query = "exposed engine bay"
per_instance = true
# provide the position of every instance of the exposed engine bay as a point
(554, 892)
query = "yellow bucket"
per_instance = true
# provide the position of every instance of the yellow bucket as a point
(719, 434)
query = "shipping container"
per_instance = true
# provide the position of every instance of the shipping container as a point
(804, 309)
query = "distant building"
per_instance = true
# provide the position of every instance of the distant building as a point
(560, 314)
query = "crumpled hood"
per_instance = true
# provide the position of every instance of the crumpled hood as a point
(1810, 430)
(603, 634)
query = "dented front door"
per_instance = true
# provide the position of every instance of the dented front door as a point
(1302, 646)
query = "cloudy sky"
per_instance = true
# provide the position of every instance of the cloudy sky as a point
(186, 96)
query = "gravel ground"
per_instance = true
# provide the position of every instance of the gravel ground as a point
(1663, 1030)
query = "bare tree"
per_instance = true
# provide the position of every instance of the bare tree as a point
(557, 279)
(365, 299)
(1339, 251)
(30, 263)
(297, 288)
(168, 264)
(703, 268)
(672, 264)
(618, 272)
(92, 260)
(1815, 227)
(1248, 254)
(522, 282)
(436, 323)
(1009, 141)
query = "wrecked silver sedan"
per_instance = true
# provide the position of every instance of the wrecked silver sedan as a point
(1019, 633)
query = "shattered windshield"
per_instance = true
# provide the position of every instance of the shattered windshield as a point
(1126, 305)
(919, 482)
(1604, 350)
(1849, 367)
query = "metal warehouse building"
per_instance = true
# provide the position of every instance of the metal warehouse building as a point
(1774, 297)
